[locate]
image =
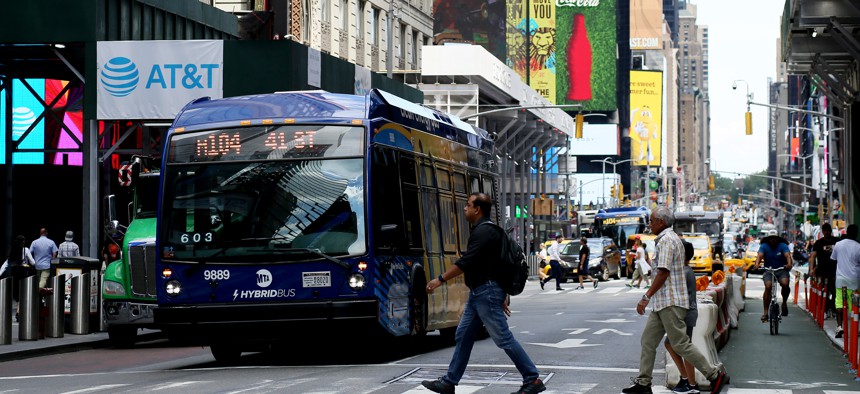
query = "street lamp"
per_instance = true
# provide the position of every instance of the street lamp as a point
(603, 176)
(748, 114)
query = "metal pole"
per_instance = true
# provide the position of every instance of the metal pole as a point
(603, 184)
(580, 196)
(388, 59)
(80, 310)
(805, 204)
(28, 325)
(6, 311)
(56, 308)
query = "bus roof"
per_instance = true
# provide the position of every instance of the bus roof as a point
(318, 105)
(698, 215)
(621, 212)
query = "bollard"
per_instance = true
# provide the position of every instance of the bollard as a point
(6, 311)
(57, 308)
(28, 325)
(796, 287)
(81, 304)
(810, 305)
(806, 293)
(822, 309)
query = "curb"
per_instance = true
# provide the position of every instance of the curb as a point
(71, 347)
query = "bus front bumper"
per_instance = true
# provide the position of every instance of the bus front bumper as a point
(275, 313)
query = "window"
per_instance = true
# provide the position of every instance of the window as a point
(403, 34)
(443, 179)
(325, 11)
(415, 44)
(374, 27)
(344, 18)
(359, 19)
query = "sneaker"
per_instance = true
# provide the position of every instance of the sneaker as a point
(784, 309)
(629, 285)
(579, 288)
(637, 388)
(529, 388)
(559, 289)
(693, 389)
(683, 386)
(647, 287)
(596, 282)
(719, 382)
(541, 285)
(438, 386)
(839, 332)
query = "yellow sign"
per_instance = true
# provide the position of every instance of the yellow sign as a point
(542, 48)
(646, 117)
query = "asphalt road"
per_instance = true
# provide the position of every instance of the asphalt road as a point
(582, 341)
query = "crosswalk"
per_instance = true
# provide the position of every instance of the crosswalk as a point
(599, 290)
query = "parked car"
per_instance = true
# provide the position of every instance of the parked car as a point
(605, 259)
(751, 253)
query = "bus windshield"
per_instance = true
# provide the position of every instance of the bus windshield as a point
(276, 209)
(709, 227)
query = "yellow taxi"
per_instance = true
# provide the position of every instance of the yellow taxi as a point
(648, 241)
(750, 254)
(703, 260)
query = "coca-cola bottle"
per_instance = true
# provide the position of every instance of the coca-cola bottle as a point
(579, 61)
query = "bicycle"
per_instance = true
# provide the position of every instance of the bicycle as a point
(774, 315)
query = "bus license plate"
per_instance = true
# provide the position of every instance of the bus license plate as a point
(316, 279)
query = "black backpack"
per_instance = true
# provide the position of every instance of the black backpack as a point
(513, 269)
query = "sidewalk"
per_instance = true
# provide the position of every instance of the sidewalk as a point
(68, 343)
(802, 356)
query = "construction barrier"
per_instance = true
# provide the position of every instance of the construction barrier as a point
(703, 340)
(852, 333)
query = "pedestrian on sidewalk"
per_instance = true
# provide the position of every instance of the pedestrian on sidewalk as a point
(671, 304)
(643, 266)
(44, 250)
(487, 305)
(846, 252)
(18, 265)
(584, 255)
(555, 264)
(687, 383)
(69, 248)
(823, 267)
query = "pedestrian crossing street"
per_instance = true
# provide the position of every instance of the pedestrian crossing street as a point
(611, 289)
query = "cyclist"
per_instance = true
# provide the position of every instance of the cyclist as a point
(775, 254)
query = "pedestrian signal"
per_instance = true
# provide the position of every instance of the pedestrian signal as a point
(580, 119)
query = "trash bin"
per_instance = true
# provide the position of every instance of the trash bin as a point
(74, 266)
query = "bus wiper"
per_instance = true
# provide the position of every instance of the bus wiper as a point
(317, 252)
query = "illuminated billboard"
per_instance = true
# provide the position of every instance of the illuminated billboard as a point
(515, 36)
(646, 24)
(542, 56)
(646, 117)
(585, 54)
(25, 113)
(471, 21)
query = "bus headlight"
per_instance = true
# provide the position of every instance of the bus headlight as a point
(113, 288)
(357, 282)
(173, 288)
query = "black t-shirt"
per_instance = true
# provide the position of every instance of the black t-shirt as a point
(584, 254)
(825, 267)
(482, 254)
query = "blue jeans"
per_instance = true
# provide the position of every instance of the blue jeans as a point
(484, 308)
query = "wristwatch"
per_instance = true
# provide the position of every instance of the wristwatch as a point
(645, 297)
(441, 279)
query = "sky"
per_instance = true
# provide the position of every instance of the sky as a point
(742, 46)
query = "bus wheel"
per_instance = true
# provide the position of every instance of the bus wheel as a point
(226, 354)
(122, 336)
(419, 308)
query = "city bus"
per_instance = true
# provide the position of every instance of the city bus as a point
(288, 212)
(620, 223)
(709, 223)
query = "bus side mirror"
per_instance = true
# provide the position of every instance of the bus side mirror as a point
(112, 226)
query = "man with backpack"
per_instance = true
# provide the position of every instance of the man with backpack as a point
(487, 304)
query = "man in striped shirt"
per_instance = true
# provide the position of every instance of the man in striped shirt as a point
(670, 303)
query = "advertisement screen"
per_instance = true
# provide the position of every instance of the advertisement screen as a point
(542, 58)
(646, 22)
(646, 117)
(515, 31)
(597, 139)
(471, 21)
(25, 113)
(585, 54)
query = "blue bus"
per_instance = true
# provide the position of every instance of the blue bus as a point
(292, 211)
(620, 223)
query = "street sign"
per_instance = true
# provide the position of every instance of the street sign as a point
(652, 175)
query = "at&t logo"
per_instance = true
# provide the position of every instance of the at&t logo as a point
(22, 118)
(264, 278)
(119, 76)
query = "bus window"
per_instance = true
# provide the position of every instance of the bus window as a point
(459, 182)
(474, 183)
(449, 233)
(385, 200)
(489, 190)
(432, 233)
(427, 175)
(462, 224)
(443, 178)
(407, 170)
(412, 217)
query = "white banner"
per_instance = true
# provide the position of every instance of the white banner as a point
(597, 139)
(155, 79)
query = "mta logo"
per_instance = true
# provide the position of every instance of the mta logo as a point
(22, 118)
(264, 278)
(119, 76)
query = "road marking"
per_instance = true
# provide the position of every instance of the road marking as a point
(611, 290)
(97, 388)
(174, 385)
(611, 321)
(605, 330)
(567, 343)
(460, 389)
(758, 391)
(575, 331)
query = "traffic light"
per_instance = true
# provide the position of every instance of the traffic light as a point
(620, 191)
(612, 191)
(579, 120)
(711, 185)
(748, 119)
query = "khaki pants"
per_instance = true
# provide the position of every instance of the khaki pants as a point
(43, 277)
(669, 321)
